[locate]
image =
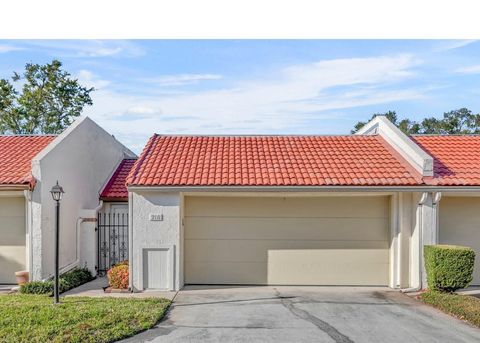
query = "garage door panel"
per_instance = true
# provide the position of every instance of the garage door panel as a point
(287, 207)
(291, 241)
(258, 250)
(344, 267)
(12, 206)
(9, 234)
(253, 273)
(293, 267)
(12, 259)
(286, 228)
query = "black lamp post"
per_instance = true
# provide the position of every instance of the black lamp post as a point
(57, 192)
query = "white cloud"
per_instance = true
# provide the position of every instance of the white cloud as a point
(88, 79)
(181, 79)
(473, 69)
(290, 99)
(88, 48)
(8, 48)
(141, 110)
(455, 44)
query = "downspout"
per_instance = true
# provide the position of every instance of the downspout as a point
(436, 200)
(400, 234)
(422, 201)
(29, 224)
(97, 243)
(130, 242)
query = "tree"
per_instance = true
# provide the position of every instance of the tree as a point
(391, 115)
(48, 102)
(461, 121)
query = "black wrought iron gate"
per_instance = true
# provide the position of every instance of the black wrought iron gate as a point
(112, 240)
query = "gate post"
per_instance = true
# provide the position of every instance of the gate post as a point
(88, 240)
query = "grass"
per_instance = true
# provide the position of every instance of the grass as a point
(33, 318)
(463, 307)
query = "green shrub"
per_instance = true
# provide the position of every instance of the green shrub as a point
(77, 277)
(69, 280)
(118, 275)
(448, 267)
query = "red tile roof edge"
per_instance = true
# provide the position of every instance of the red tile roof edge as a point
(22, 164)
(143, 155)
(118, 180)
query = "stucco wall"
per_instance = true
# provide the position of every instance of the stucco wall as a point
(424, 215)
(152, 234)
(403, 218)
(82, 159)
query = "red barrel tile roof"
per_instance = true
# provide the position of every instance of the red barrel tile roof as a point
(456, 159)
(271, 161)
(16, 154)
(116, 188)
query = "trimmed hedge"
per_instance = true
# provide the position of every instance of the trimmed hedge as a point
(449, 267)
(69, 280)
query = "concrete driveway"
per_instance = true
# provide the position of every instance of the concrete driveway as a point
(303, 314)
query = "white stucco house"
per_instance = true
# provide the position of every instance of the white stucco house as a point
(300, 210)
(82, 159)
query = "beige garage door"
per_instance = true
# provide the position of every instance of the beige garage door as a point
(12, 238)
(460, 225)
(287, 241)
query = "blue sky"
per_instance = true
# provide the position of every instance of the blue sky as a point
(258, 86)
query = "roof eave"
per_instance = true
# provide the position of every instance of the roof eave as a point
(114, 199)
(373, 188)
(15, 187)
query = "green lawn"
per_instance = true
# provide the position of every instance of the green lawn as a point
(461, 306)
(33, 318)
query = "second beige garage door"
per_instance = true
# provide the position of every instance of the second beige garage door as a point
(460, 225)
(287, 241)
(12, 238)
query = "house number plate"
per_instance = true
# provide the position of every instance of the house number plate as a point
(156, 217)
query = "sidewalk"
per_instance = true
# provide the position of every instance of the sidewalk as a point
(5, 289)
(473, 291)
(94, 288)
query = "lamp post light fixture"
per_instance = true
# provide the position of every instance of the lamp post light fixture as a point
(57, 193)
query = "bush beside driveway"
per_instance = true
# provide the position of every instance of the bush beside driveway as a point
(34, 318)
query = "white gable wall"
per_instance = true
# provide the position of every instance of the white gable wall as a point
(415, 155)
(81, 159)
